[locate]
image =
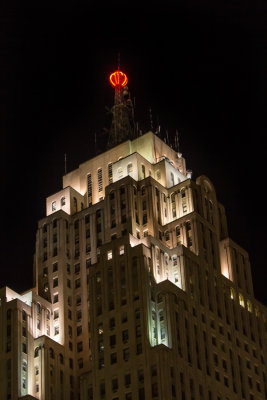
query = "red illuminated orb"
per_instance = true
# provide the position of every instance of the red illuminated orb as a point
(118, 79)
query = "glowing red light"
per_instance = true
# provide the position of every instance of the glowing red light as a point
(118, 79)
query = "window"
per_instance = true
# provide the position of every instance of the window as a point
(112, 323)
(121, 250)
(126, 354)
(155, 389)
(51, 353)
(77, 283)
(125, 336)
(75, 204)
(56, 314)
(172, 179)
(127, 380)
(55, 282)
(79, 330)
(54, 206)
(24, 348)
(143, 172)
(77, 268)
(144, 219)
(241, 300)
(55, 267)
(79, 347)
(114, 384)
(89, 189)
(120, 172)
(55, 299)
(109, 255)
(69, 314)
(139, 348)
(124, 318)
(138, 331)
(38, 308)
(129, 168)
(100, 179)
(63, 201)
(110, 179)
(36, 352)
(113, 358)
(112, 341)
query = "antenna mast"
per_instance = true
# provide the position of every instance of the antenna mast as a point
(65, 162)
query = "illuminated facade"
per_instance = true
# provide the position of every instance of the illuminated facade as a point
(140, 293)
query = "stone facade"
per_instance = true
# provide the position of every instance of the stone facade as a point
(140, 293)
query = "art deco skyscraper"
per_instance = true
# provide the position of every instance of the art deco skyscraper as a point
(140, 293)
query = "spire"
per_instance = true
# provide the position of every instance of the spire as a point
(122, 126)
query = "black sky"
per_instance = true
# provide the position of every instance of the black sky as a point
(200, 66)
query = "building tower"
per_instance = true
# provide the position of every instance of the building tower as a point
(140, 293)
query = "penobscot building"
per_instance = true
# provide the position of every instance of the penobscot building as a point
(139, 293)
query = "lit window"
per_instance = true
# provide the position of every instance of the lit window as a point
(54, 206)
(249, 306)
(121, 250)
(56, 331)
(100, 329)
(232, 293)
(241, 300)
(63, 201)
(109, 255)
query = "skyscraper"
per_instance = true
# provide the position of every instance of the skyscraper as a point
(140, 293)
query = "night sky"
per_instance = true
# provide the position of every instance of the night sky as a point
(201, 67)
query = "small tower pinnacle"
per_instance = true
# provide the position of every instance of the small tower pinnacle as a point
(122, 126)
